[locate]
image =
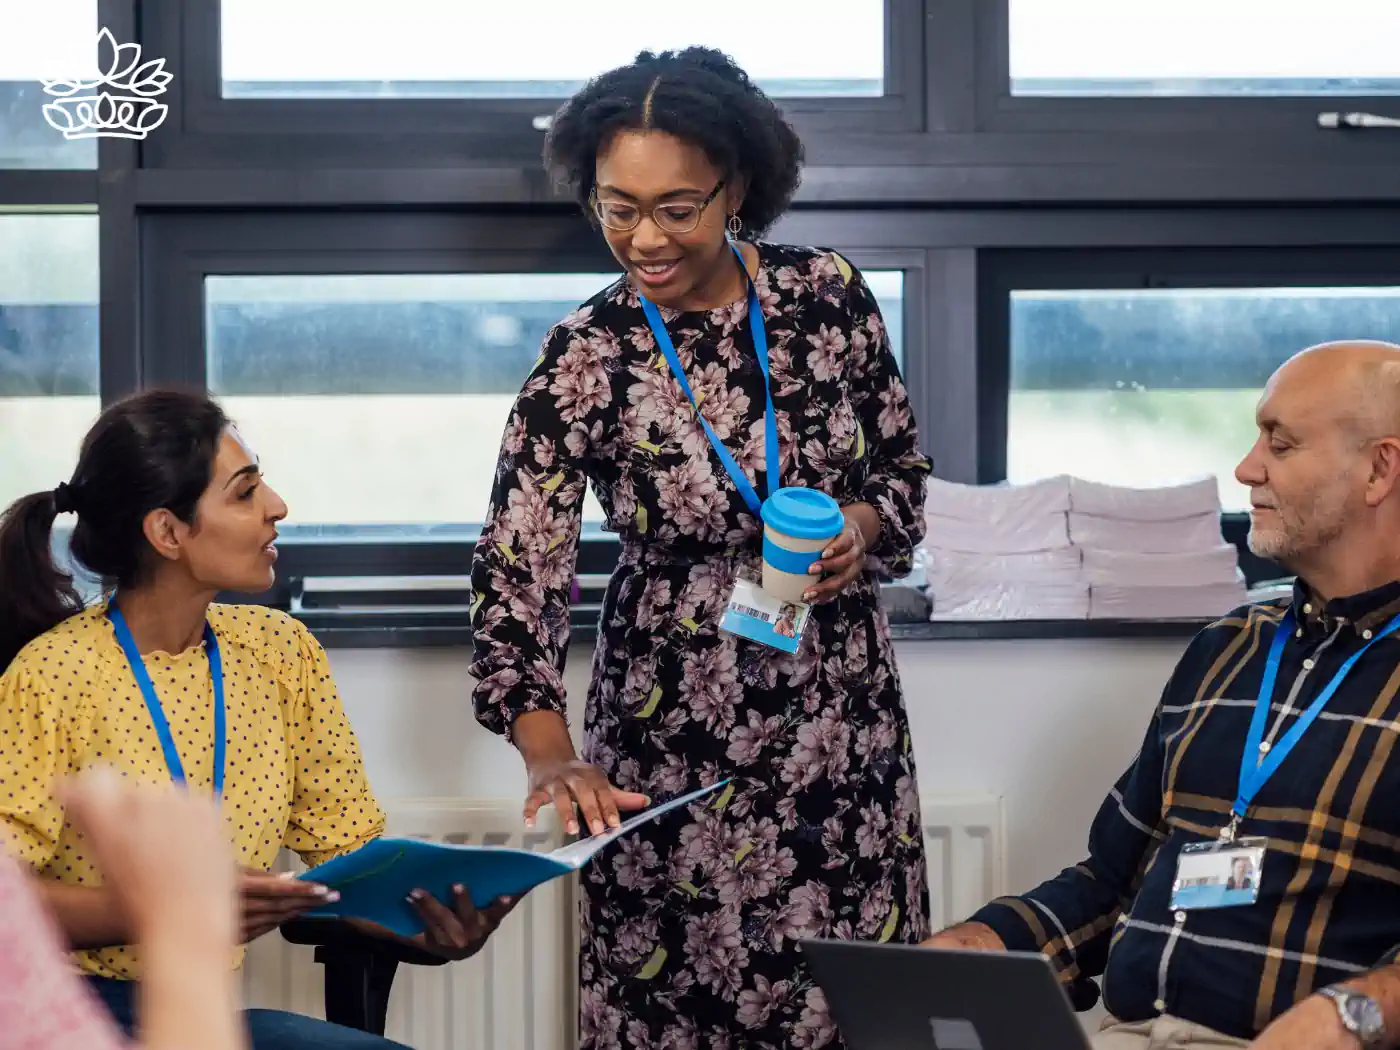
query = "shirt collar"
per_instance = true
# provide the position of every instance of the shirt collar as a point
(1362, 612)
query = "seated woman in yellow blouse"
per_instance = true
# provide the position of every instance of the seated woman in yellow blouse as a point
(162, 683)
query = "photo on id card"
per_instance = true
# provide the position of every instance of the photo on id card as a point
(1215, 875)
(754, 614)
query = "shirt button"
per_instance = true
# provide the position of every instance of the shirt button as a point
(1180, 917)
(1298, 633)
(1308, 664)
(1264, 747)
(1366, 635)
(1308, 607)
(1160, 1006)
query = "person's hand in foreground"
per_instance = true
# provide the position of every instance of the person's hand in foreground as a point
(168, 865)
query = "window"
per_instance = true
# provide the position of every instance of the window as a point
(380, 400)
(50, 40)
(1154, 386)
(48, 347)
(543, 49)
(1236, 48)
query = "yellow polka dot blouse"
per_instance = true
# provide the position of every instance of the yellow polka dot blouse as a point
(293, 777)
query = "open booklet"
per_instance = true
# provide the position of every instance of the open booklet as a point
(374, 881)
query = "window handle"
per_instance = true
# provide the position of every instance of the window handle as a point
(1356, 120)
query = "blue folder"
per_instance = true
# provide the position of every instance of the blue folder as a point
(375, 880)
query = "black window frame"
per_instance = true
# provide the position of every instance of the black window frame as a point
(948, 133)
(204, 129)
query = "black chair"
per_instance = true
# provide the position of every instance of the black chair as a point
(359, 969)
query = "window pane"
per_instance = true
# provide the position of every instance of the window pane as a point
(1205, 47)
(381, 400)
(48, 347)
(44, 40)
(1152, 387)
(540, 49)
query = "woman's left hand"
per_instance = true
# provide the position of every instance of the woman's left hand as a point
(843, 561)
(458, 932)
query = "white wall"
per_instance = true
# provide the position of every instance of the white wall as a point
(1047, 725)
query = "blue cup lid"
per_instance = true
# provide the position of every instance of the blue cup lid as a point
(807, 514)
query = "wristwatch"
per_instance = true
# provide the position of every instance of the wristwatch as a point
(1361, 1015)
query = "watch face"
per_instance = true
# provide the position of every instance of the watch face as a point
(1367, 1016)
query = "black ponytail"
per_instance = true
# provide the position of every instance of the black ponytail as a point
(150, 451)
(35, 594)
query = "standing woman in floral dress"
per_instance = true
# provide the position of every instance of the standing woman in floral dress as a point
(690, 925)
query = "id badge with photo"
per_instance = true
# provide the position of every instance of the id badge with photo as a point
(1218, 874)
(754, 614)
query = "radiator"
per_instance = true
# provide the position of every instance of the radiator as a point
(966, 842)
(519, 992)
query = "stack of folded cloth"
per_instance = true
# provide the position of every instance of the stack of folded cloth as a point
(1002, 552)
(1154, 554)
(1067, 549)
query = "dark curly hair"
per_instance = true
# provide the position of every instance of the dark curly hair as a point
(697, 94)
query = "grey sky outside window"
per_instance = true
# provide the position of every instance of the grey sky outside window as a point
(1239, 48)
(362, 392)
(26, 139)
(1158, 386)
(449, 49)
(48, 347)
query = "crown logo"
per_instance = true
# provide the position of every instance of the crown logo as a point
(86, 109)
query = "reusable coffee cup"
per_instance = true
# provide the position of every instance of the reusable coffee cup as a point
(798, 524)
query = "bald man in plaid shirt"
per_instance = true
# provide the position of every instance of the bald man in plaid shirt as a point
(1304, 784)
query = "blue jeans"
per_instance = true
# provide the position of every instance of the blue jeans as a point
(267, 1029)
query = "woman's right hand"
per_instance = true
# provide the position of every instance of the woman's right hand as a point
(269, 900)
(556, 775)
(569, 781)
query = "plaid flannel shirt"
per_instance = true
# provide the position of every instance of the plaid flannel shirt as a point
(1329, 898)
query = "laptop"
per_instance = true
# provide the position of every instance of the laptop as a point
(902, 997)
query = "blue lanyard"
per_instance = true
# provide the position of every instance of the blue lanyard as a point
(158, 719)
(1256, 771)
(770, 419)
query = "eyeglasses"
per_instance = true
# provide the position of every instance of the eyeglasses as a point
(671, 216)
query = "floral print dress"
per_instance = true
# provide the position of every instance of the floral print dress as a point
(690, 926)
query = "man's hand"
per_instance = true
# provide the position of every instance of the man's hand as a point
(968, 936)
(270, 900)
(1312, 1024)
